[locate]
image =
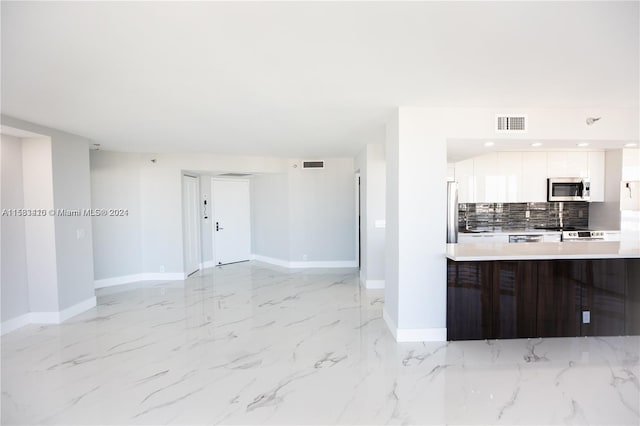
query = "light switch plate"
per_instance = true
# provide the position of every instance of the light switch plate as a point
(380, 223)
(586, 317)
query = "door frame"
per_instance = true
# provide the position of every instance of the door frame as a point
(197, 224)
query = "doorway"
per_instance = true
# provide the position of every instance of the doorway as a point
(191, 223)
(231, 220)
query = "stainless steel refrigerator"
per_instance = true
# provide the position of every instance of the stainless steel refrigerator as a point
(452, 212)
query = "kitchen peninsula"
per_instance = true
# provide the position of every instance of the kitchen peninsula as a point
(542, 290)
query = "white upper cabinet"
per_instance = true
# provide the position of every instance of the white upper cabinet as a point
(597, 175)
(464, 174)
(568, 164)
(557, 164)
(488, 181)
(533, 185)
(451, 172)
(509, 177)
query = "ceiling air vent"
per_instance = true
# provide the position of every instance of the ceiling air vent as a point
(235, 174)
(313, 164)
(511, 123)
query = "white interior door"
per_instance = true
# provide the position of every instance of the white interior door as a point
(191, 222)
(231, 221)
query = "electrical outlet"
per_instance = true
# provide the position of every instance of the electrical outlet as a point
(527, 214)
(586, 317)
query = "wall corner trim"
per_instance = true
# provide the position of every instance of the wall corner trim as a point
(408, 335)
(48, 317)
(150, 276)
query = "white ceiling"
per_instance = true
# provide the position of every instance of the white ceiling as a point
(301, 79)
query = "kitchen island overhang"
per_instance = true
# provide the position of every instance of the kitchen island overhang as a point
(542, 290)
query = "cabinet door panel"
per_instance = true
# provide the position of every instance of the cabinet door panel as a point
(596, 175)
(515, 299)
(469, 300)
(604, 297)
(559, 298)
(510, 173)
(464, 174)
(489, 183)
(632, 308)
(533, 186)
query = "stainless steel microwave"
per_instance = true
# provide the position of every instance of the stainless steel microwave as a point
(568, 189)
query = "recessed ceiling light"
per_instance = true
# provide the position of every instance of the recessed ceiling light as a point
(489, 143)
(536, 144)
(630, 145)
(583, 144)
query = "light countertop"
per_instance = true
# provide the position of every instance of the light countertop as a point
(543, 251)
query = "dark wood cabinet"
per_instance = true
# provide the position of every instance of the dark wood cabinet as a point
(548, 298)
(632, 305)
(469, 299)
(603, 297)
(559, 298)
(515, 298)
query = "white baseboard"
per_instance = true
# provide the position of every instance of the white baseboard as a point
(151, 276)
(207, 264)
(407, 335)
(48, 317)
(421, 335)
(325, 264)
(374, 284)
(77, 309)
(15, 323)
(306, 264)
(271, 260)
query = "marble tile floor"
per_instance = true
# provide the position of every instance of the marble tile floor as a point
(254, 344)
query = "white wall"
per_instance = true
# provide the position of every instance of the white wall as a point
(376, 212)
(59, 254)
(155, 187)
(270, 216)
(630, 219)
(73, 234)
(322, 205)
(370, 163)
(392, 247)
(117, 241)
(40, 232)
(606, 215)
(14, 281)
(295, 213)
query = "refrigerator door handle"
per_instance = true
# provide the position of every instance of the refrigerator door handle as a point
(452, 212)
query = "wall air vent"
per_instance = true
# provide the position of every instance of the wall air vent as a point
(511, 123)
(313, 164)
(235, 174)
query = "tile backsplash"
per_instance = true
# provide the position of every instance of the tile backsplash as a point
(511, 216)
